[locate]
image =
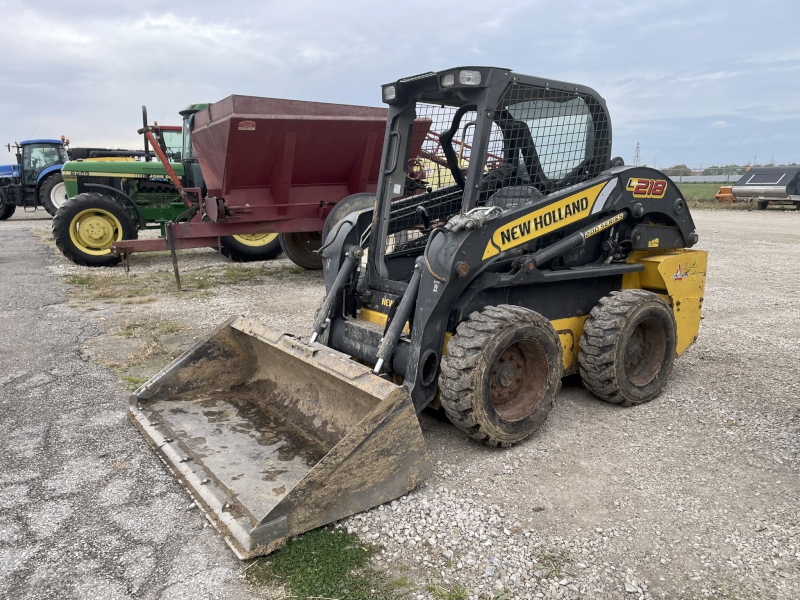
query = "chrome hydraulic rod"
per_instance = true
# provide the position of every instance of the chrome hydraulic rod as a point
(352, 257)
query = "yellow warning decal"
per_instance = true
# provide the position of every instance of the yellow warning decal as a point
(544, 220)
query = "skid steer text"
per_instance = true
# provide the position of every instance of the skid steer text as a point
(543, 221)
(647, 188)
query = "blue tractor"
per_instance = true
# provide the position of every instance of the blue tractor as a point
(36, 178)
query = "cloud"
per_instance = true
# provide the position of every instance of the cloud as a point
(667, 68)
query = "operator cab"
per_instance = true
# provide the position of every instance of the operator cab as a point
(37, 155)
(478, 137)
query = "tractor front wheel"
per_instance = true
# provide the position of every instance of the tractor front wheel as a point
(87, 225)
(628, 347)
(53, 193)
(501, 374)
(249, 247)
(301, 248)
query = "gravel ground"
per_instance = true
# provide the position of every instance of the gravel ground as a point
(693, 495)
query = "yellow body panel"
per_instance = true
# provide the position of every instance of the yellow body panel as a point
(680, 277)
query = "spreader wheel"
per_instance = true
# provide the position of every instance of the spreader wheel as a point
(85, 228)
(249, 247)
(628, 347)
(501, 374)
(301, 248)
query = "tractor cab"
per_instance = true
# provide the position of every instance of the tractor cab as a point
(39, 157)
(194, 176)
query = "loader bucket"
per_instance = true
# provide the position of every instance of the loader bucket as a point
(273, 436)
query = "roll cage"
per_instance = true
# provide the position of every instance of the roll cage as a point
(530, 137)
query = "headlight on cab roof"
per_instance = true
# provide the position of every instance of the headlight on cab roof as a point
(389, 92)
(448, 79)
(468, 78)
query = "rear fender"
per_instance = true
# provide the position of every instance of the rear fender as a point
(45, 174)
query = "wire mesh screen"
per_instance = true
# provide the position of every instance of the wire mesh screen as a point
(548, 140)
(541, 141)
(430, 183)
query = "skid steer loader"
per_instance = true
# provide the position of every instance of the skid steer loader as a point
(545, 257)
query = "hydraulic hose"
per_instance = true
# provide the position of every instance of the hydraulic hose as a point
(407, 304)
(352, 257)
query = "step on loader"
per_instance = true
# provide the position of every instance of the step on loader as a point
(538, 256)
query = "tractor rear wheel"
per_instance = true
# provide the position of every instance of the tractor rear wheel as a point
(248, 247)
(628, 347)
(301, 248)
(501, 374)
(7, 207)
(88, 224)
(53, 193)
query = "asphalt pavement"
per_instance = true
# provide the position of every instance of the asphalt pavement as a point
(86, 509)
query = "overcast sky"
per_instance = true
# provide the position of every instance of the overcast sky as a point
(709, 82)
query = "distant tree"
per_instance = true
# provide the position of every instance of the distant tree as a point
(678, 170)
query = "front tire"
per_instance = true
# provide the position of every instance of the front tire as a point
(53, 193)
(87, 225)
(628, 347)
(501, 374)
(301, 248)
(763, 205)
(250, 247)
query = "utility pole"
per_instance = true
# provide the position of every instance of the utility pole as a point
(637, 157)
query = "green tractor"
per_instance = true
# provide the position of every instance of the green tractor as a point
(110, 201)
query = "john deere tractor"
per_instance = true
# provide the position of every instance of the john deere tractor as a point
(110, 201)
(35, 180)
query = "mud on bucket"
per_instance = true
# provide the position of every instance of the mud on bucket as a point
(273, 436)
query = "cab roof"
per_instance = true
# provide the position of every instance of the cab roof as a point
(27, 142)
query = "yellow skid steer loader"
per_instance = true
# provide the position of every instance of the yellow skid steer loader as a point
(541, 257)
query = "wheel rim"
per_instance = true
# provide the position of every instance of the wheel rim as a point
(518, 380)
(311, 241)
(645, 352)
(94, 230)
(58, 195)
(255, 240)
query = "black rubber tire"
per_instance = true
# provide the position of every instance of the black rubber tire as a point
(467, 370)
(352, 203)
(46, 189)
(7, 207)
(301, 248)
(71, 209)
(239, 252)
(763, 205)
(620, 319)
(797, 205)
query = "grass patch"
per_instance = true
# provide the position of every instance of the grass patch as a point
(169, 327)
(323, 563)
(440, 593)
(552, 565)
(132, 383)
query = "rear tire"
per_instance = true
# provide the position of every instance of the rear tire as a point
(53, 193)
(628, 347)
(351, 204)
(501, 374)
(301, 248)
(88, 224)
(762, 205)
(7, 207)
(250, 247)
